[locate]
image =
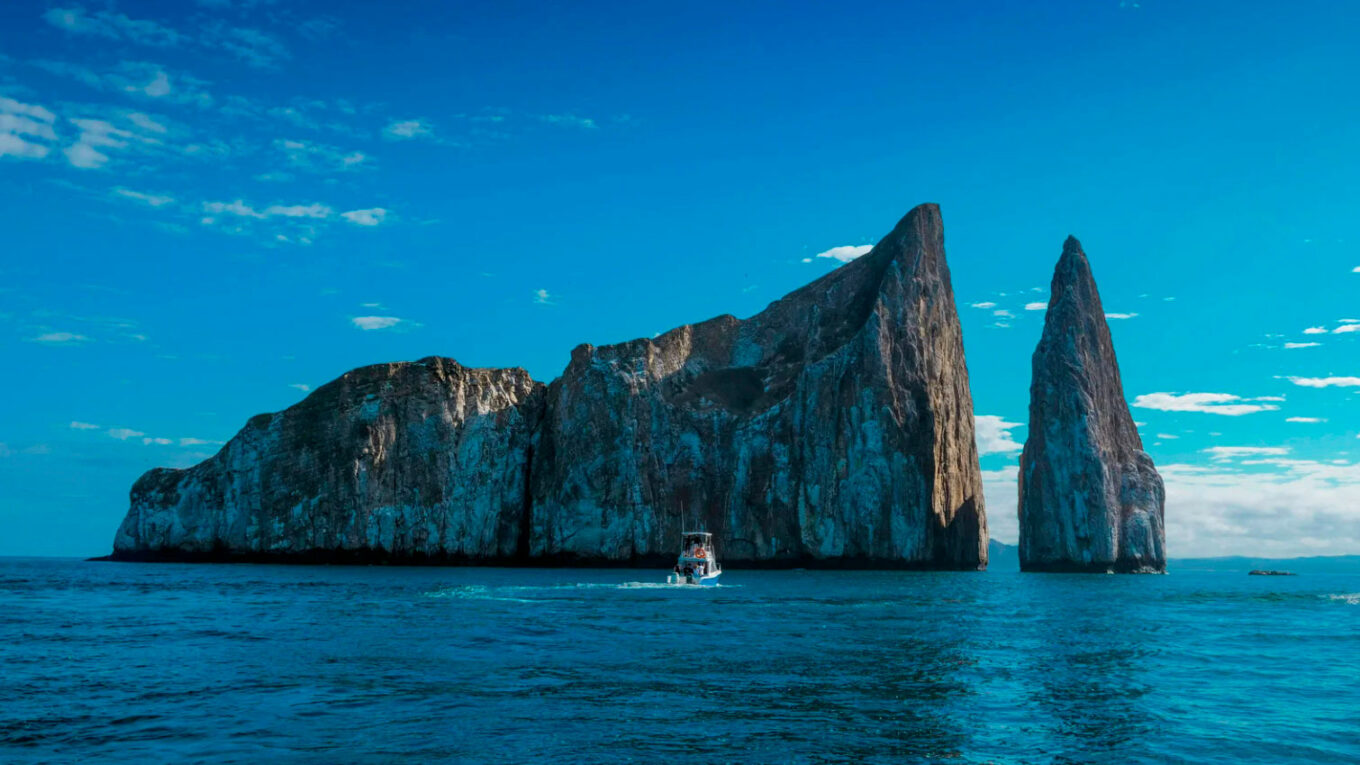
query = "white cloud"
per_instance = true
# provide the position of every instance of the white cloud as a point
(1277, 508)
(123, 434)
(994, 434)
(406, 129)
(375, 322)
(1120, 315)
(158, 441)
(1326, 382)
(1356, 270)
(24, 128)
(1209, 403)
(568, 120)
(542, 297)
(60, 338)
(1036, 306)
(78, 425)
(98, 136)
(1301, 345)
(304, 387)
(1167, 436)
(370, 217)
(984, 304)
(1346, 327)
(1220, 453)
(155, 200)
(1315, 331)
(1304, 419)
(191, 441)
(845, 253)
(1003, 313)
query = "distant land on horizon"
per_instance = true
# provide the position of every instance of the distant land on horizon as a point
(1006, 557)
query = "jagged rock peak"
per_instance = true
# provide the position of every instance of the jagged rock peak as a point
(1090, 497)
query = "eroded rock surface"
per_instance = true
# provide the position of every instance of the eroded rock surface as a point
(833, 428)
(423, 459)
(1090, 497)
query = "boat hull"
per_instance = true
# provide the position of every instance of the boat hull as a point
(708, 580)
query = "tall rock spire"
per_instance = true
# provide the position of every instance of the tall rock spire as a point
(1090, 497)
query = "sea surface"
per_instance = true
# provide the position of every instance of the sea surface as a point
(121, 662)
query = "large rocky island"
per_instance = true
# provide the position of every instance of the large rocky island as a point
(834, 428)
(1090, 498)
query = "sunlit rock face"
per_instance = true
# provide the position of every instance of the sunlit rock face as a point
(834, 428)
(1090, 498)
(423, 459)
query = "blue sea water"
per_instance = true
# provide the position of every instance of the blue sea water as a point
(115, 662)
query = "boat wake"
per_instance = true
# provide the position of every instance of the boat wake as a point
(525, 593)
(1352, 598)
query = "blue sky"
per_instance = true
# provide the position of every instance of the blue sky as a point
(210, 207)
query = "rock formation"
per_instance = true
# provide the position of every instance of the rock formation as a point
(1090, 498)
(834, 428)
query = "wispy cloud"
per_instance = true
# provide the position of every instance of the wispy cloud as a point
(1315, 331)
(985, 304)
(1036, 306)
(60, 338)
(154, 200)
(373, 216)
(304, 387)
(402, 130)
(1209, 403)
(846, 253)
(252, 46)
(1120, 315)
(569, 120)
(369, 323)
(1291, 346)
(111, 25)
(1235, 452)
(319, 158)
(542, 297)
(1326, 382)
(1305, 419)
(78, 425)
(123, 434)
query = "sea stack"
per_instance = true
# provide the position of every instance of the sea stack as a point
(833, 429)
(1090, 498)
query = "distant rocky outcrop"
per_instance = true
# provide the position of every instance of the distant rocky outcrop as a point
(834, 428)
(1090, 497)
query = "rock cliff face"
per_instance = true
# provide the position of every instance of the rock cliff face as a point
(1090, 498)
(423, 459)
(834, 428)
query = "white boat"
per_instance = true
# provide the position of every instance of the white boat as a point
(698, 564)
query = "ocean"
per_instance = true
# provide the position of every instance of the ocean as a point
(121, 662)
